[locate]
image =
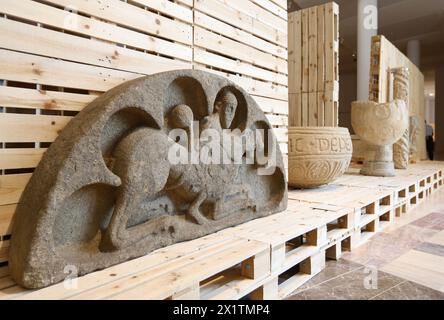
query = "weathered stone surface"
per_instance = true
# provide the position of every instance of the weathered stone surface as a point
(317, 155)
(380, 125)
(401, 91)
(106, 190)
(414, 135)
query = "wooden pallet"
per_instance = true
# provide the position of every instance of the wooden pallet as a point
(298, 239)
(385, 56)
(313, 50)
(57, 56)
(266, 258)
(205, 268)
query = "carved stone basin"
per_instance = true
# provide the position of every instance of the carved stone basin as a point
(317, 155)
(380, 125)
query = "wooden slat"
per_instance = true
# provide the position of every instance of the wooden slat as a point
(277, 120)
(205, 21)
(12, 186)
(4, 251)
(281, 3)
(329, 45)
(305, 50)
(43, 99)
(134, 17)
(252, 86)
(312, 109)
(54, 17)
(15, 35)
(305, 106)
(272, 105)
(321, 109)
(321, 47)
(169, 8)
(241, 20)
(312, 50)
(295, 110)
(35, 69)
(207, 58)
(30, 128)
(214, 42)
(330, 109)
(258, 13)
(20, 158)
(6, 216)
(295, 52)
(273, 8)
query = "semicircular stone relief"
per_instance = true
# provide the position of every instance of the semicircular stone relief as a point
(106, 190)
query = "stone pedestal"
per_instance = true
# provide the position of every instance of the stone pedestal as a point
(378, 162)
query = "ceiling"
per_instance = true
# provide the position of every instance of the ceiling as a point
(399, 21)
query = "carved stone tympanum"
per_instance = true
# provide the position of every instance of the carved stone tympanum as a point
(317, 155)
(380, 125)
(107, 191)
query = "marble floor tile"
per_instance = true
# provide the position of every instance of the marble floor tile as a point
(383, 247)
(410, 291)
(437, 238)
(354, 285)
(420, 267)
(434, 220)
(332, 270)
(431, 248)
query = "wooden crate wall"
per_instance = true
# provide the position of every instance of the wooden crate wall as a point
(56, 56)
(313, 49)
(385, 56)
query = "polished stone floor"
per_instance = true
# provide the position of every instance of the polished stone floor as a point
(404, 261)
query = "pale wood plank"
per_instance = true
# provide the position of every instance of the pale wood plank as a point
(205, 21)
(305, 50)
(312, 50)
(16, 35)
(321, 48)
(43, 99)
(312, 109)
(295, 52)
(6, 218)
(207, 58)
(273, 8)
(54, 17)
(12, 186)
(226, 46)
(30, 128)
(20, 158)
(134, 17)
(258, 13)
(295, 110)
(241, 20)
(35, 69)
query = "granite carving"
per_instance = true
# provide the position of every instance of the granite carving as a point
(106, 190)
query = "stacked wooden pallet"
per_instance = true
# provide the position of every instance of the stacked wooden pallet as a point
(57, 56)
(313, 50)
(385, 56)
(267, 258)
(246, 41)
